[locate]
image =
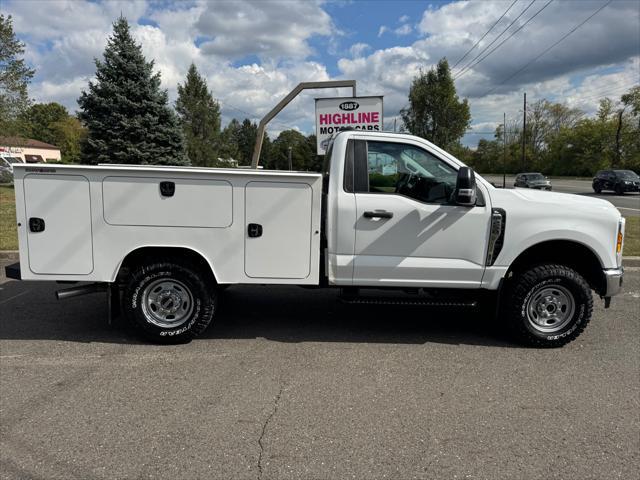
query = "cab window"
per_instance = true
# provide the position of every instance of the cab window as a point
(408, 170)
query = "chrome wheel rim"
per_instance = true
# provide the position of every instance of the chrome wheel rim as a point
(167, 303)
(550, 308)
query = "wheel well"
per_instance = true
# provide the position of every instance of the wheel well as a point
(564, 252)
(145, 255)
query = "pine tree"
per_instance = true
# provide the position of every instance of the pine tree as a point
(199, 115)
(435, 111)
(247, 141)
(14, 78)
(229, 140)
(125, 111)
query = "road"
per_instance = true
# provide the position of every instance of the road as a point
(628, 204)
(289, 383)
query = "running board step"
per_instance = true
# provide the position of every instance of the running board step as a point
(402, 301)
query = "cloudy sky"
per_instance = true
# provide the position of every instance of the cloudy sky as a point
(253, 52)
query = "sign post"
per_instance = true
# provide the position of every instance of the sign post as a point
(334, 114)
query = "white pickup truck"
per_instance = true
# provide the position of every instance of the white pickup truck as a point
(390, 213)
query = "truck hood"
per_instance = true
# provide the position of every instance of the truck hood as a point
(534, 216)
(553, 201)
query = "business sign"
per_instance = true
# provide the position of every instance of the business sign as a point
(334, 114)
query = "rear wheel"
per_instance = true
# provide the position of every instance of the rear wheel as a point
(170, 302)
(596, 188)
(548, 305)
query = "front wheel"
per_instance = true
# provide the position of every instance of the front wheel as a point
(169, 302)
(548, 305)
(619, 190)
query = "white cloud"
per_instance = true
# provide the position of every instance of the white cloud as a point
(382, 30)
(403, 19)
(270, 30)
(454, 28)
(357, 49)
(405, 29)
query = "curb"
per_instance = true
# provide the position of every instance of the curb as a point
(13, 255)
(631, 261)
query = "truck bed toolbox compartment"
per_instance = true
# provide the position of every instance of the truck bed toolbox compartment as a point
(167, 202)
(280, 245)
(58, 214)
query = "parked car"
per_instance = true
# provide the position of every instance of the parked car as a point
(532, 180)
(6, 168)
(425, 230)
(619, 181)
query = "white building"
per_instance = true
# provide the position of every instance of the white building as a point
(29, 150)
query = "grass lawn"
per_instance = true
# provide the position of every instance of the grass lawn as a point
(632, 237)
(8, 232)
(9, 236)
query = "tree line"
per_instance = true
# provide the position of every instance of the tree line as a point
(125, 117)
(559, 140)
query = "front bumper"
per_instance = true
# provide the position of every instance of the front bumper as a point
(613, 277)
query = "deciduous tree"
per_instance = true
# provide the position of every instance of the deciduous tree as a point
(435, 112)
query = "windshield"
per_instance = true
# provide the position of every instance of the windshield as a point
(13, 159)
(626, 174)
(535, 176)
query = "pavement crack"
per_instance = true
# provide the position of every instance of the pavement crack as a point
(276, 400)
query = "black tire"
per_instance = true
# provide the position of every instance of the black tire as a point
(526, 295)
(157, 292)
(619, 190)
(596, 188)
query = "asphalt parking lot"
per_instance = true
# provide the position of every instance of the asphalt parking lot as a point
(290, 383)
(628, 204)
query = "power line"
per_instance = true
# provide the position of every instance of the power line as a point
(481, 38)
(606, 92)
(495, 39)
(506, 39)
(227, 104)
(551, 47)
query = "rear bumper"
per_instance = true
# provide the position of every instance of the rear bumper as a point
(13, 271)
(613, 278)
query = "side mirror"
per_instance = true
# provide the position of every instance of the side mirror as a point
(465, 193)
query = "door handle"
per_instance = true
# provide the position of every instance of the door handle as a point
(254, 230)
(36, 224)
(167, 189)
(378, 214)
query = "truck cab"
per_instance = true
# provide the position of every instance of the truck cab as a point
(392, 219)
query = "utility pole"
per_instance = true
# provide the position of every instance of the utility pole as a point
(394, 124)
(290, 162)
(504, 156)
(524, 133)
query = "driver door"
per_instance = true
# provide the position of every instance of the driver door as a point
(408, 233)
